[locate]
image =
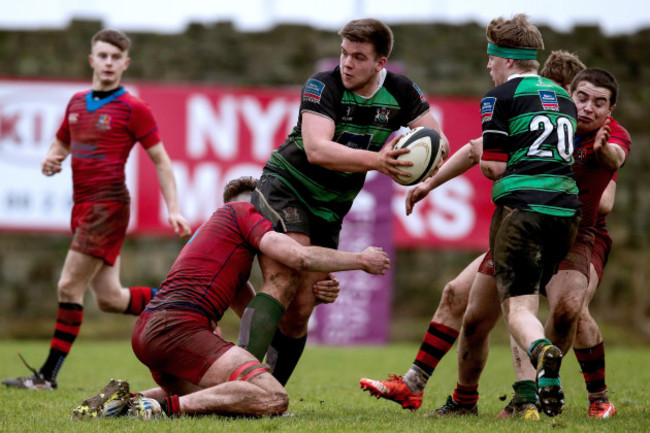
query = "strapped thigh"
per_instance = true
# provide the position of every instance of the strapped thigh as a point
(247, 371)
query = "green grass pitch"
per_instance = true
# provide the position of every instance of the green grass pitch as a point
(325, 394)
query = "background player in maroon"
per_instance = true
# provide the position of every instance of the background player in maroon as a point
(595, 93)
(99, 130)
(197, 370)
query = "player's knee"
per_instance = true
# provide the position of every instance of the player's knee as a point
(294, 329)
(282, 285)
(565, 317)
(68, 291)
(479, 324)
(294, 324)
(585, 315)
(106, 305)
(454, 299)
(274, 399)
(278, 402)
(109, 304)
(472, 327)
(271, 404)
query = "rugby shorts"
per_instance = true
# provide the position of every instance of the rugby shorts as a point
(600, 253)
(527, 248)
(176, 344)
(99, 229)
(578, 257)
(279, 204)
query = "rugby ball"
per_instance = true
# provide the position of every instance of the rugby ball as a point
(424, 152)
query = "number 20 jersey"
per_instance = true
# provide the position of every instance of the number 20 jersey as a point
(529, 122)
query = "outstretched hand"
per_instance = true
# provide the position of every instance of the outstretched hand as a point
(603, 135)
(376, 260)
(415, 194)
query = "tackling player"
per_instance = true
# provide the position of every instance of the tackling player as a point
(198, 371)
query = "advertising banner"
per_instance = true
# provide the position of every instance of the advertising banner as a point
(214, 134)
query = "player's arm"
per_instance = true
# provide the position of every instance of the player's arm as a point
(493, 169)
(494, 159)
(55, 155)
(462, 160)
(611, 155)
(167, 182)
(606, 203)
(317, 133)
(289, 252)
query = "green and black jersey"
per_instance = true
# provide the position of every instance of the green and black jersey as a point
(360, 123)
(529, 122)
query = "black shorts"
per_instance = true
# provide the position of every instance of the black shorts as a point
(527, 248)
(274, 199)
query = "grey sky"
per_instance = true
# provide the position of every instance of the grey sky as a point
(621, 16)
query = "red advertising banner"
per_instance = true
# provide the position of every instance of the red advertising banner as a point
(212, 135)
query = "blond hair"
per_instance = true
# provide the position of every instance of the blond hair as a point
(516, 32)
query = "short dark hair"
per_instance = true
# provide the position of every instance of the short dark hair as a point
(599, 78)
(113, 37)
(241, 185)
(370, 30)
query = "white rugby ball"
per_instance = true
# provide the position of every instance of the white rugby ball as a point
(424, 152)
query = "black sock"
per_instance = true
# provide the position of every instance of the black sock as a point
(283, 355)
(53, 364)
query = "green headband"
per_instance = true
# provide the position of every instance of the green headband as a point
(512, 53)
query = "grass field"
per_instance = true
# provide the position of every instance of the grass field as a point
(324, 392)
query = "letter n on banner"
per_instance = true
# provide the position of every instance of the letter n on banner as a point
(361, 313)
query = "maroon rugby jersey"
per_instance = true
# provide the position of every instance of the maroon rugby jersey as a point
(215, 263)
(592, 178)
(101, 134)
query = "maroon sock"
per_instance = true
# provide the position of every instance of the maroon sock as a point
(592, 364)
(171, 406)
(68, 324)
(140, 297)
(435, 344)
(466, 395)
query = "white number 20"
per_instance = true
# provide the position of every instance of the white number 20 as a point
(564, 133)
